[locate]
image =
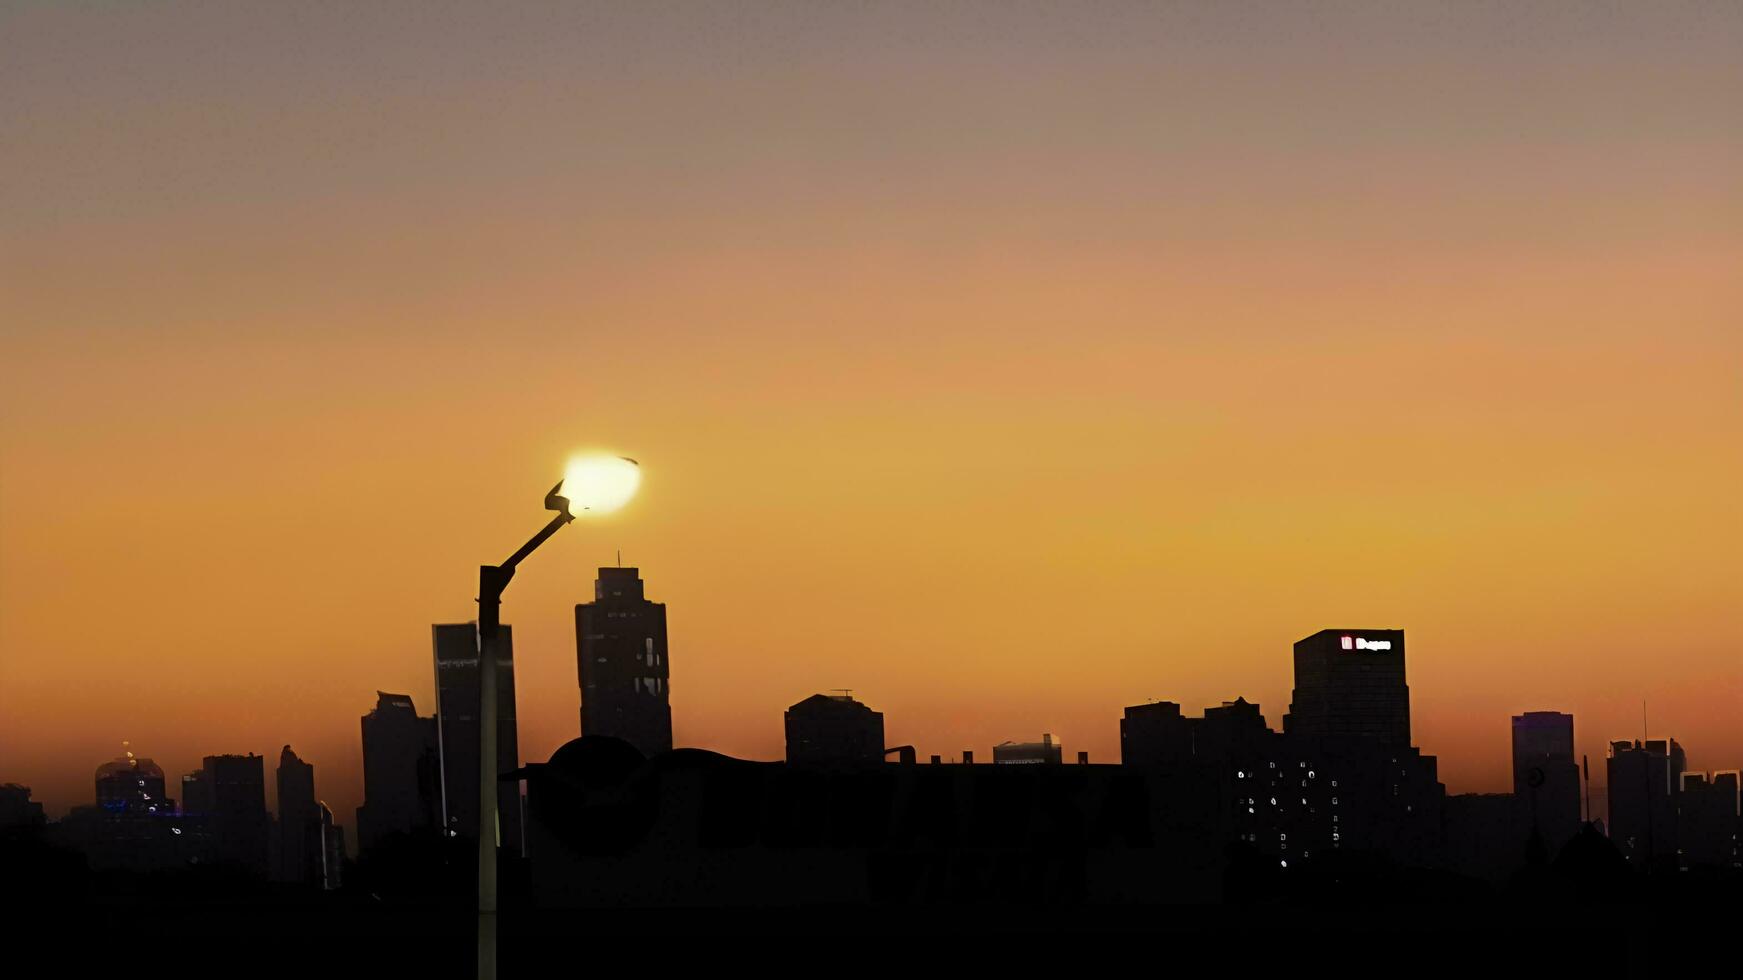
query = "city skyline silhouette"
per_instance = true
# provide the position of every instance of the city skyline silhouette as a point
(1328, 700)
(344, 777)
(1029, 380)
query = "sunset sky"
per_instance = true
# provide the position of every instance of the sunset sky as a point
(1007, 364)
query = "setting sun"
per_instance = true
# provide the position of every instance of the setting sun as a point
(599, 484)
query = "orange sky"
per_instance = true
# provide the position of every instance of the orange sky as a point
(1008, 365)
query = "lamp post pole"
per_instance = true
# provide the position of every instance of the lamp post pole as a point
(492, 580)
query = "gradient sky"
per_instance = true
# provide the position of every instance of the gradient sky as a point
(1006, 363)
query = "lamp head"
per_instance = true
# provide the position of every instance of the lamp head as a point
(557, 502)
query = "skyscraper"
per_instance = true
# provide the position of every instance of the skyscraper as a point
(1546, 778)
(301, 853)
(238, 821)
(457, 694)
(133, 785)
(1644, 780)
(1707, 826)
(620, 641)
(402, 772)
(133, 826)
(1350, 683)
(834, 730)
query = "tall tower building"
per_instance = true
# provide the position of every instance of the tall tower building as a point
(1546, 778)
(300, 849)
(457, 701)
(402, 772)
(1645, 779)
(234, 786)
(1350, 683)
(620, 641)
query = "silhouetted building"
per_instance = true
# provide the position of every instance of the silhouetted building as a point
(132, 840)
(457, 701)
(1707, 826)
(1045, 751)
(237, 824)
(1482, 836)
(1290, 797)
(17, 809)
(1644, 779)
(332, 850)
(834, 730)
(133, 827)
(1546, 777)
(1298, 798)
(1231, 729)
(1155, 735)
(133, 785)
(196, 793)
(1350, 683)
(1158, 735)
(694, 830)
(620, 641)
(301, 836)
(402, 772)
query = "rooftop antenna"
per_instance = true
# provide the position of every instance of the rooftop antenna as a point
(846, 692)
(620, 558)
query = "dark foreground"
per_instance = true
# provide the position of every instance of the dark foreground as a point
(347, 934)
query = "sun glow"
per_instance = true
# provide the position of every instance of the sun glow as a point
(599, 484)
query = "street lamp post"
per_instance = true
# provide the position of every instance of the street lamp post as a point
(590, 484)
(492, 580)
